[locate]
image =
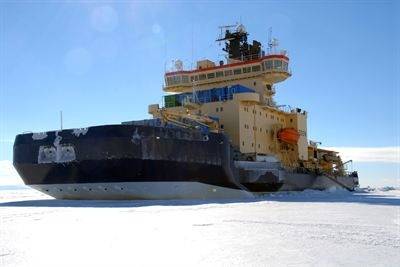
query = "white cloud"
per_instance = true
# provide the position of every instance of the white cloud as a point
(389, 154)
(8, 174)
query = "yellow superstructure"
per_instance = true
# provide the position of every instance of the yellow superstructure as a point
(255, 124)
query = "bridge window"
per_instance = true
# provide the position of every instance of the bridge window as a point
(211, 75)
(202, 77)
(268, 64)
(285, 66)
(185, 79)
(194, 78)
(237, 71)
(278, 64)
(173, 80)
(219, 74)
(256, 68)
(169, 80)
(246, 69)
(228, 72)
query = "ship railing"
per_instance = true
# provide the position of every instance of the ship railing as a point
(285, 108)
(276, 52)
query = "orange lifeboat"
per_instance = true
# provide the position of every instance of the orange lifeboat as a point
(288, 135)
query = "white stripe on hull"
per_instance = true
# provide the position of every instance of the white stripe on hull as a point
(140, 190)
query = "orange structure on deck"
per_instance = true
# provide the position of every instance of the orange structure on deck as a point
(289, 135)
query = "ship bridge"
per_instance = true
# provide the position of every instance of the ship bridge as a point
(270, 69)
(247, 64)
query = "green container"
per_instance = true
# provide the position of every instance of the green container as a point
(171, 101)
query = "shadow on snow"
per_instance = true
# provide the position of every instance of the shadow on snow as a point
(369, 198)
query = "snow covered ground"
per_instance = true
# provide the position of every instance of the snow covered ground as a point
(283, 229)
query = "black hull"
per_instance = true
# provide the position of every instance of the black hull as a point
(123, 170)
(118, 154)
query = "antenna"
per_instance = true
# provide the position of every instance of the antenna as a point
(222, 28)
(272, 42)
(192, 59)
(61, 120)
(269, 37)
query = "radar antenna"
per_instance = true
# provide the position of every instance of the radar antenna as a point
(272, 42)
(221, 34)
(236, 44)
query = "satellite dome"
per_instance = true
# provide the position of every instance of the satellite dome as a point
(241, 28)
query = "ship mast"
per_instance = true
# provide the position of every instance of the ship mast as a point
(236, 44)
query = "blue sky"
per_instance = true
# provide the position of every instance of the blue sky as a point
(103, 63)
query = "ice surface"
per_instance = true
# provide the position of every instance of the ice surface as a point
(309, 228)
